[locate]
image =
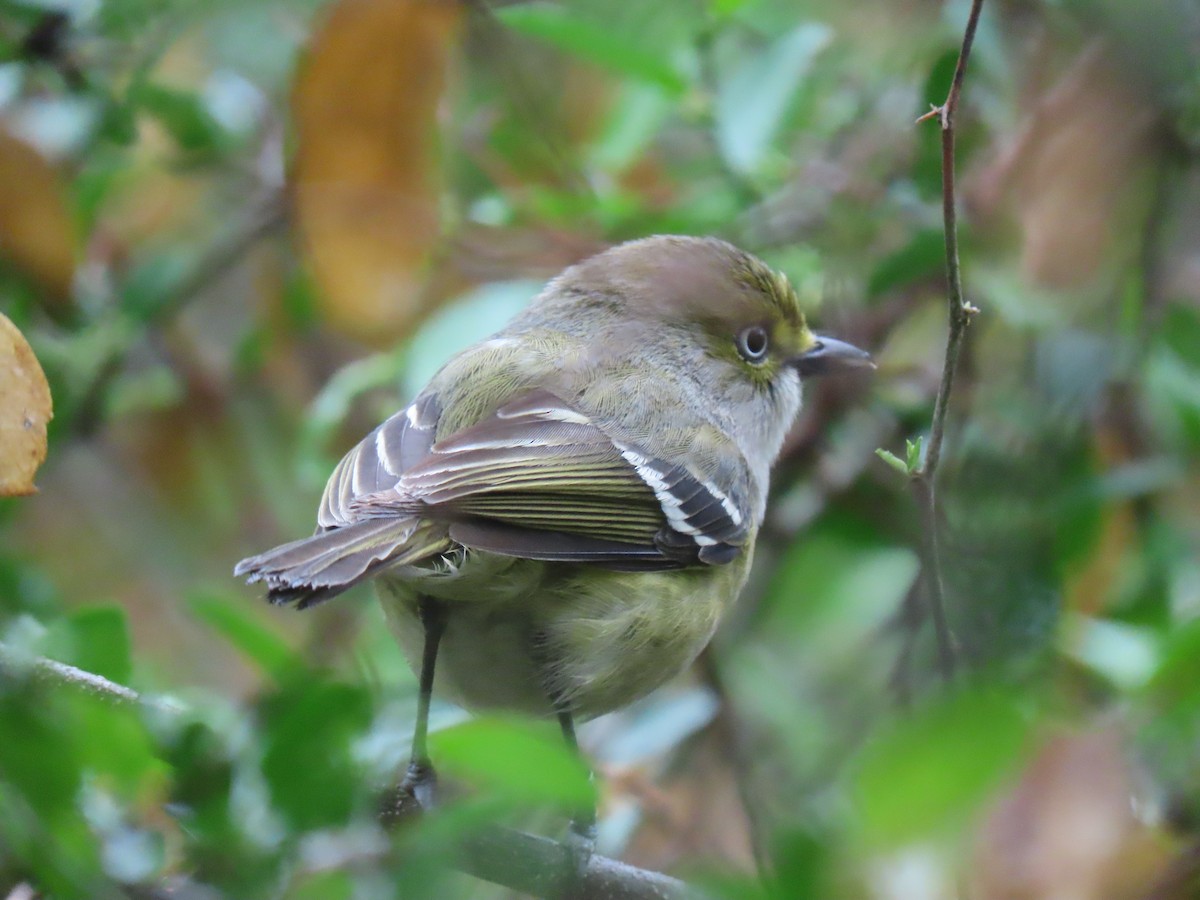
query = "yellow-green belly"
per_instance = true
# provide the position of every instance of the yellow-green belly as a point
(521, 632)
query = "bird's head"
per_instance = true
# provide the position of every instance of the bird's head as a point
(700, 309)
(745, 314)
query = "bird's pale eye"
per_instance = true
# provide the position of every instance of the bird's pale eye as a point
(753, 343)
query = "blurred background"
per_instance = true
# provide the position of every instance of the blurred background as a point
(238, 234)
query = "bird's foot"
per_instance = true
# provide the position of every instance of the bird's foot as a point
(420, 781)
(416, 793)
(581, 844)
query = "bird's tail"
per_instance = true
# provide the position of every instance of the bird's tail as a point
(318, 568)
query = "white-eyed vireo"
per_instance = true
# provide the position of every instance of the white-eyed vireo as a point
(561, 516)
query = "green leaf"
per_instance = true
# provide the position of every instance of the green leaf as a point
(234, 621)
(1173, 685)
(310, 727)
(928, 772)
(892, 460)
(95, 639)
(154, 388)
(152, 282)
(835, 585)
(1181, 332)
(718, 885)
(113, 741)
(323, 886)
(182, 114)
(922, 257)
(723, 9)
(519, 760)
(1124, 654)
(119, 124)
(913, 455)
(203, 779)
(299, 301)
(591, 41)
(59, 854)
(801, 858)
(44, 764)
(461, 323)
(636, 119)
(752, 102)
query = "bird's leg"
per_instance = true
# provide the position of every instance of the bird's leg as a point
(420, 781)
(581, 833)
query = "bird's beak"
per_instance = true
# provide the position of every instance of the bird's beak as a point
(828, 356)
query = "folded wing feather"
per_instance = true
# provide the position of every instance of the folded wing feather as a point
(535, 479)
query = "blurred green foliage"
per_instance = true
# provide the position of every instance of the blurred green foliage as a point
(202, 396)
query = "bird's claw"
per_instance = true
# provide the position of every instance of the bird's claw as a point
(416, 793)
(581, 844)
(420, 781)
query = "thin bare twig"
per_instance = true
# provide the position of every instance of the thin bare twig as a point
(15, 664)
(923, 477)
(960, 311)
(922, 487)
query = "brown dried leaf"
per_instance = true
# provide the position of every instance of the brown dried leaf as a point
(1068, 830)
(36, 231)
(366, 176)
(24, 411)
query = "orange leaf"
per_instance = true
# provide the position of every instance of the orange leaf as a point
(24, 411)
(366, 177)
(36, 231)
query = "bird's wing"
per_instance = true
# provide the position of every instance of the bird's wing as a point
(378, 460)
(348, 549)
(538, 479)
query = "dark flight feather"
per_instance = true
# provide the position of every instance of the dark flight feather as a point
(318, 568)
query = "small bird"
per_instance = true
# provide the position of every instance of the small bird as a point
(559, 519)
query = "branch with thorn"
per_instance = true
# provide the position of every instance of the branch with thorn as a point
(921, 462)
